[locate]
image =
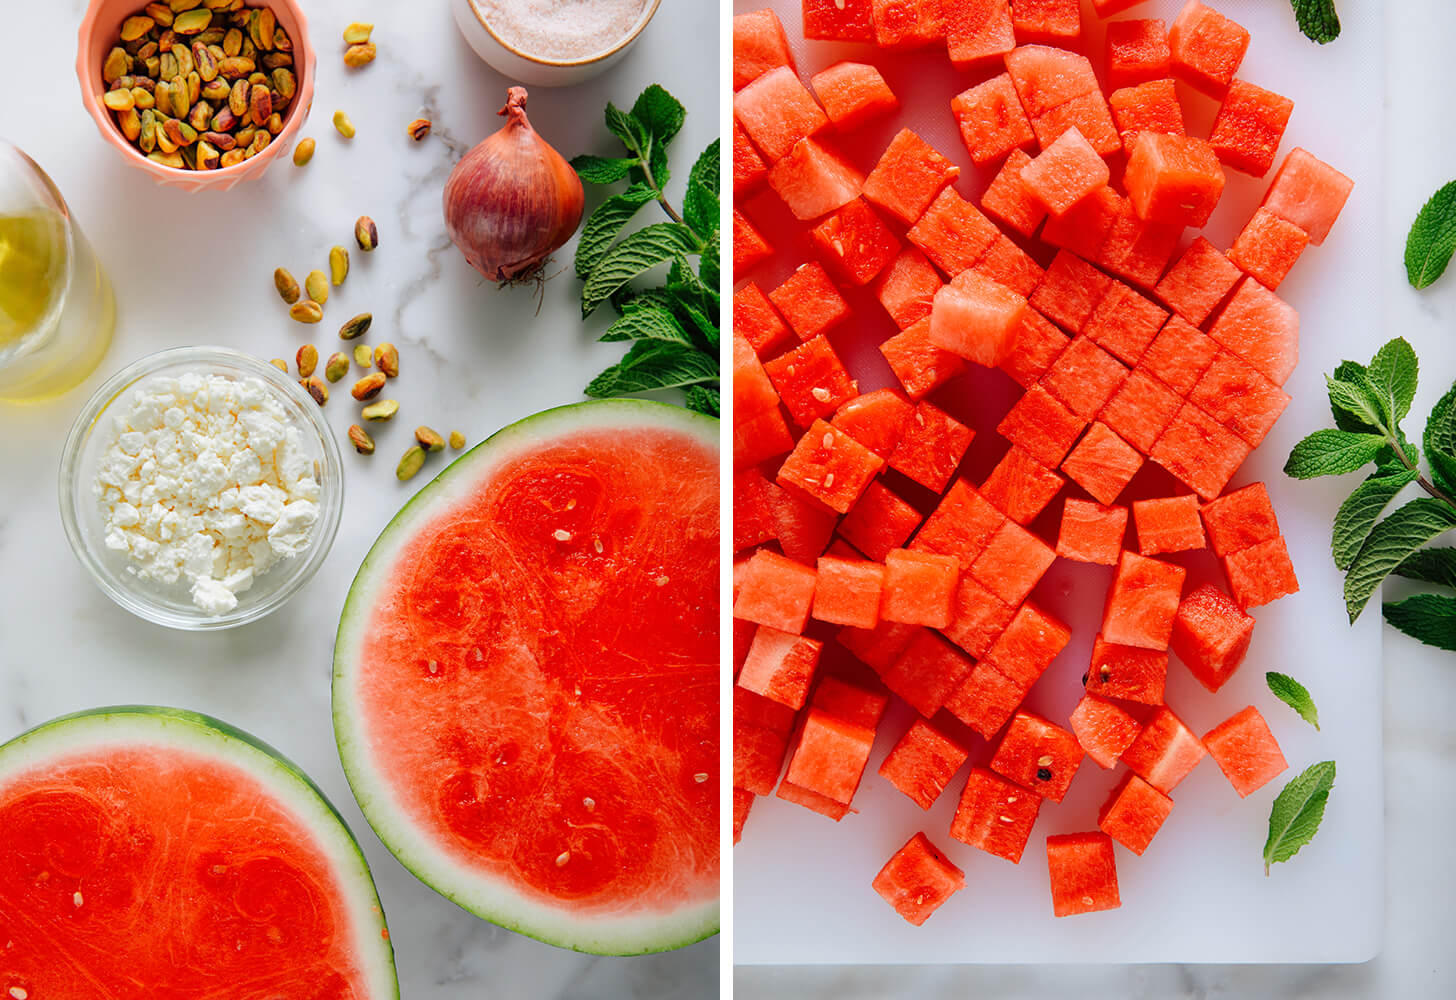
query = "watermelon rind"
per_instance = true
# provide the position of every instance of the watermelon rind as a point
(483, 896)
(121, 726)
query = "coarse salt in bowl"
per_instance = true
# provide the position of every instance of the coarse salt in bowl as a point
(512, 55)
(116, 571)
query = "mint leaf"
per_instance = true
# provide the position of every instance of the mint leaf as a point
(1435, 565)
(1390, 542)
(1354, 373)
(690, 302)
(1431, 618)
(627, 128)
(1331, 453)
(1297, 812)
(659, 113)
(1440, 441)
(704, 399)
(1293, 694)
(601, 169)
(1359, 400)
(700, 206)
(655, 364)
(636, 253)
(1432, 238)
(605, 224)
(647, 323)
(706, 170)
(709, 268)
(1361, 509)
(1392, 378)
(1317, 20)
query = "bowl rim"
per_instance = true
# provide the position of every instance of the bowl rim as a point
(649, 13)
(331, 495)
(292, 123)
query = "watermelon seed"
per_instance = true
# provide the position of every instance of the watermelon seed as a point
(477, 654)
(18, 993)
(822, 394)
(1084, 680)
(590, 804)
(76, 898)
(661, 581)
(1044, 760)
(828, 441)
(700, 777)
(1043, 774)
(828, 480)
(571, 504)
(562, 859)
(561, 535)
(597, 544)
(1006, 819)
(434, 667)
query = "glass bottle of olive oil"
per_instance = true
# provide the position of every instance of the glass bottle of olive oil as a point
(57, 310)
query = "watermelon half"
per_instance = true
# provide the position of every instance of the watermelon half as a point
(526, 679)
(157, 852)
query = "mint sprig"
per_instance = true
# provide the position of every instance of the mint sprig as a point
(673, 324)
(1293, 694)
(1317, 19)
(1297, 812)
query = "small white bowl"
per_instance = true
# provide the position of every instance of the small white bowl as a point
(522, 67)
(171, 604)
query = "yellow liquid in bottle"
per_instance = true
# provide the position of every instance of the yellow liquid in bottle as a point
(32, 272)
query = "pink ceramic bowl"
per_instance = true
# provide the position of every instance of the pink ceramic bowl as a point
(100, 29)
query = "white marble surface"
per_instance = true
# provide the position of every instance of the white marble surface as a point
(197, 269)
(1420, 684)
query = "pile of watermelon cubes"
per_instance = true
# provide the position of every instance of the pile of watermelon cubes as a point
(1130, 342)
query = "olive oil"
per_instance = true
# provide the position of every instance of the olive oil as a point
(32, 273)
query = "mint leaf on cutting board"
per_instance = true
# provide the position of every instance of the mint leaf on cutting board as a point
(1293, 694)
(1432, 238)
(1297, 812)
(1390, 543)
(1361, 509)
(1332, 452)
(1431, 618)
(1317, 19)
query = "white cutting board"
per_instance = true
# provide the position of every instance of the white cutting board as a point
(1199, 894)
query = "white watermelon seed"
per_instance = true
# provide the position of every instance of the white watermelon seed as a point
(76, 898)
(828, 480)
(590, 803)
(561, 535)
(571, 504)
(18, 993)
(434, 667)
(828, 440)
(1045, 760)
(661, 581)
(597, 544)
(820, 393)
(562, 859)
(700, 777)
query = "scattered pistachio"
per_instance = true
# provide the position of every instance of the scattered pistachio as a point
(338, 265)
(419, 128)
(363, 357)
(317, 286)
(280, 364)
(386, 356)
(356, 327)
(304, 152)
(337, 366)
(411, 463)
(307, 311)
(382, 410)
(316, 389)
(368, 387)
(360, 439)
(307, 360)
(366, 234)
(342, 123)
(457, 440)
(429, 438)
(357, 33)
(356, 56)
(287, 285)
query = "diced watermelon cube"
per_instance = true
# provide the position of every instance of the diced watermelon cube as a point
(995, 815)
(742, 805)
(853, 94)
(855, 243)
(810, 799)
(1165, 751)
(759, 45)
(1199, 451)
(1085, 229)
(1008, 201)
(761, 730)
(880, 646)
(1007, 264)
(1091, 532)
(1102, 463)
(811, 381)
(1261, 328)
(1168, 524)
(809, 301)
(1198, 282)
(1012, 563)
(979, 618)
(953, 233)
(847, 592)
(777, 111)
(1042, 425)
(918, 880)
(776, 591)
(1137, 52)
(1046, 77)
(879, 522)
(1211, 635)
(1180, 355)
(1268, 247)
(1175, 179)
(918, 588)
(758, 322)
(752, 510)
(850, 702)
(1038, 755)
(1309, 193)
(919, 365)
(922, 762)
(1065, 172)
(758, 438)
(985, 699)
(1240, 519)
(1137, 249)
(962, 525)
(839, 20)
(802, 525)
(814, 180)
(830, 466)
(1083, 873)
(1249, 127)
(1127, 672)
(1020, 486)
(1124, 323)
(907, 287)
(1088, 114)
(907, 24)
(1038, 344)
(831, 756)
(1142, 602)
(908, 176)
(1148, 107)
(1134, 813)
(991, 120)
(750, 249)
(1084, 377)
(976, 318)
(1107, 8)
(1103, 729)
(780, 666)
(1238, 397)
(749, 170)
(1261, 573)
(1054, 22)
(1207, 48)
(1245, 751)
(978, 32)
(1070, 292)
(876, 420)
(1029, 644)
(753, 392)
(931, 447)
(927, 672)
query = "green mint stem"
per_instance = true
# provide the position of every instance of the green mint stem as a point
(644, 159)
(1424, 483)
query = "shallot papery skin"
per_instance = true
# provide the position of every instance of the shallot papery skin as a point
(513, 200)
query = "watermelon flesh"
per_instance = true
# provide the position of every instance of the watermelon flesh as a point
(157, 848)
(526, 678)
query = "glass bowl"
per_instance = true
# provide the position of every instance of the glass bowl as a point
(171, 604)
